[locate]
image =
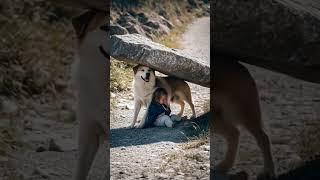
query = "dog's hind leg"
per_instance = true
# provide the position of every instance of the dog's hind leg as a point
(231, 135)
(181, 103)
(88, 146)
(188, 99)
(263, 142)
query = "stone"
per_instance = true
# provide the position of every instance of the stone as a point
(134, 28)
(117, 30)
(206, 148)
(129, 107)
(127, 19)
(54, 147)
(41, 149)
(166, 22)
(142, 18)
(279, 35)
(135, 48)
(153, 24)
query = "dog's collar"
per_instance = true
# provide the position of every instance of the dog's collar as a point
(104, 53)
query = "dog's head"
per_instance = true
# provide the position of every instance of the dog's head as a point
(92, 29)
(144, 73)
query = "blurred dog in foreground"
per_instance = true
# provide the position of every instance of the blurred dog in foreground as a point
(90, 81)
(236, 102)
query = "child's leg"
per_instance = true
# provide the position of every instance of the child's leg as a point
(163, 121)
(175, 117)
(168, 122)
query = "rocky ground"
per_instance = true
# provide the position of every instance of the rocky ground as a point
(291, 114)
(162, 152)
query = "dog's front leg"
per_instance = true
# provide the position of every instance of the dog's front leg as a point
(137, 107)
(88, 146)
(143, 121)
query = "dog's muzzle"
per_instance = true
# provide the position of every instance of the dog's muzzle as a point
(145, 80)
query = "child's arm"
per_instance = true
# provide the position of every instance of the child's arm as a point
(167, 109)
(150, 116)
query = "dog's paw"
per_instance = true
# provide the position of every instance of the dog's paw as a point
(130, 127)
(138, 126)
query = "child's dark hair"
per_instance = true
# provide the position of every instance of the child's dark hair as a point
(158, 93)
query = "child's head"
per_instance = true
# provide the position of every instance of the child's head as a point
(160, 95)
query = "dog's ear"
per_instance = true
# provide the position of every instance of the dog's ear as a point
(135, 69)
(88, 21)
(81, 23)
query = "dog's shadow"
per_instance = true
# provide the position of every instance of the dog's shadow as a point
(182, 132)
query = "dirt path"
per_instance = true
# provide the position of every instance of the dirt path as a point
(161, 152)
(38, 159)
(291, 114)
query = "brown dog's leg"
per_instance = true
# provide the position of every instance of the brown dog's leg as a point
(188, 99)
(263, 142)
(181, 103)
(231, 135)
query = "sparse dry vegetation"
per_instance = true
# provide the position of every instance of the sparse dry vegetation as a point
(121, 76)
(35, 57)
(173, 39)
(196, 142)
(35, 49)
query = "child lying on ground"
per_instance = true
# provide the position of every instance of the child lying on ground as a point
(158, 113)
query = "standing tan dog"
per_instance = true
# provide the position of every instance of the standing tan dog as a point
(145, 82)
(91, 72)
(236, 102)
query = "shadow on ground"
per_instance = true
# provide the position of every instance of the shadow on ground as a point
(181, 133)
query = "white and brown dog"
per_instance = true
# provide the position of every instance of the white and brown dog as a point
(91, 70)
(144, 84)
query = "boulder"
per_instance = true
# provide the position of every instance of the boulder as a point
(280, 35)
(135, 48)
(117, 30)
(127, 19)
(142, 18)
(134, 28)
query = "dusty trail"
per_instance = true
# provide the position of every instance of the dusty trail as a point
(35, 161)
(147, 153)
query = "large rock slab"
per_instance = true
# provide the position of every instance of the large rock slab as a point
(135, 48)
(280, 35)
